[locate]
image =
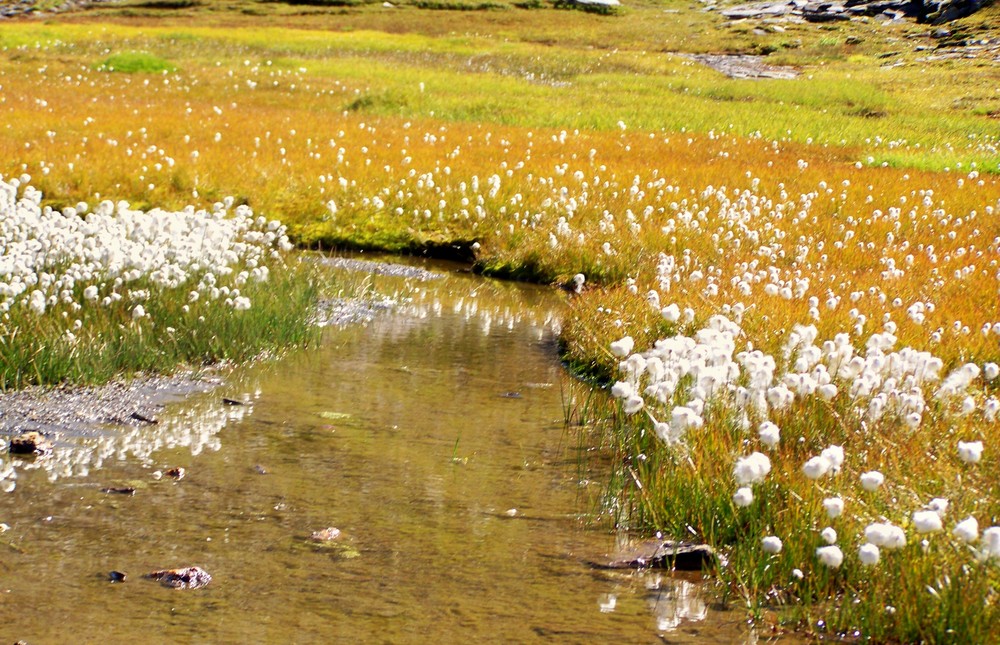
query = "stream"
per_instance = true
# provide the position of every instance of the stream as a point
(431, 436)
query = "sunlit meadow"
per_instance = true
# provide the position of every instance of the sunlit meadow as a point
(793, 286)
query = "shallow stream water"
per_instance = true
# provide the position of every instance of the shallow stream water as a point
(432, 437)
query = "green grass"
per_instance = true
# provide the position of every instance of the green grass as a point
(36, 350)
(135, 63)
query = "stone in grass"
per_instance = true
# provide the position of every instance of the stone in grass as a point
(187, 578)
(30, 443)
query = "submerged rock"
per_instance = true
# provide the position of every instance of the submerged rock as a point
(325, 535)
(30, 443)
(119, 490)
(661, 554)
(329, 541)
(188, 578)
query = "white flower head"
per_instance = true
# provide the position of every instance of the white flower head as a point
(967, 530)
(770, 434)
(926, 521)
(872, 480)
(743, 497)
(834, 506)
(971, 452)
(771, 544)
(869, 555)
(751, 469)
(831, 556)
(622, 347)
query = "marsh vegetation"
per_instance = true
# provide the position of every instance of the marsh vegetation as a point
(793, 283)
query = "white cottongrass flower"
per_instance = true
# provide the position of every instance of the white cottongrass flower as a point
(37, 302)
(752, 469)
(622, 390)
(869, 555)
(872, 480)
(971, 452)
(939, 505)
(927, 521)
(816, 467)
(622, 347)
(831, 556)
(991, 543)
(829, 535)
(90, 293)
(771, 544)
(991, 371)
(743, 497)
(138, 312)
(835, 454)
(671, 313)
(770, 434)
(834, 506)
(967, 530)
(633, 404)
(885, 535)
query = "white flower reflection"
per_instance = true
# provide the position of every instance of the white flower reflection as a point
(83, 447)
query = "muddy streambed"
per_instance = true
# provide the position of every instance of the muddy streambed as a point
(431, 436)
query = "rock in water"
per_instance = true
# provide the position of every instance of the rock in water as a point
(325, 535)
(30, 443)
(661, 554)
(189, 578)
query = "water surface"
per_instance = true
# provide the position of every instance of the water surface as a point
(432, 437)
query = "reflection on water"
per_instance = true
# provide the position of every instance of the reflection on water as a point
(431, 437)
(195, 426)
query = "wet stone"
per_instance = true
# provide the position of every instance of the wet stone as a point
(142, 418)
(30, 443)
(228, 401)
(117, 576)
(661, 554)
(325, 535)
(187, 578)
(119, 490)
(176, 473)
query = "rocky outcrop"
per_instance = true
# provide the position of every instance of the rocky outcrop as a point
(28, 7)
(927, 11)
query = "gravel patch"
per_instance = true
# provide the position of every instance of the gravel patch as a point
(744, 66)
(81, 411)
